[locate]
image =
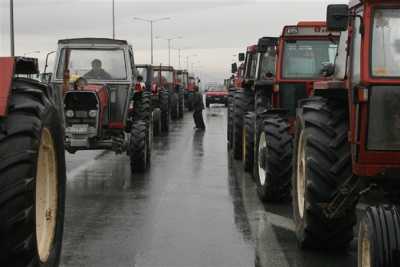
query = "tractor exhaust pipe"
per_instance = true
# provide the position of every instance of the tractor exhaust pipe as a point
(12, 28)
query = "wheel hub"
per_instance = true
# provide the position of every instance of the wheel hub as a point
(46, 195)
(364, 247)
(262, 155)
(301, 172)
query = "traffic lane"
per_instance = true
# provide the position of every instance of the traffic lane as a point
(195, 207)
(80, 159)
(272, 228)
(180, 213)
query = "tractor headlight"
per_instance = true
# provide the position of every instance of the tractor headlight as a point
(69, 113)
(93, 113)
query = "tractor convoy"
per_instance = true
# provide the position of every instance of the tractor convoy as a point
(313, 115)
(96, 98)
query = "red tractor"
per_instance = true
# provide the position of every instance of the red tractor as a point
(165, 77)
(182, 81)
(32, 167)
(105, 107)
(159, 99)
(192, 83)
(347, 140)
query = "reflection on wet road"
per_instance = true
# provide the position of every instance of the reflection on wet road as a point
(195, 207)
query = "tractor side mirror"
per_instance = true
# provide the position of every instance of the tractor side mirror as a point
(241, 57)
(45, 77)
(234, 68)
(337, 18)
(328, 70)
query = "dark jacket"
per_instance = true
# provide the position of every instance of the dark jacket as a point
(198, 103)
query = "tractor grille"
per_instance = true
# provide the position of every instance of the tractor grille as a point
(290, 94)
(80, 103)
(384, 118)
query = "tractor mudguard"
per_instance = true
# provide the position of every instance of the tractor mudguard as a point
(7, 68)
(276, 111)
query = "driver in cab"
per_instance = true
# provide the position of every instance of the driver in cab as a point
(97, 72)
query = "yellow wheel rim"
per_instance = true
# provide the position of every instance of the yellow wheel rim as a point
(46, 195)
(301, 172)
(364, 247)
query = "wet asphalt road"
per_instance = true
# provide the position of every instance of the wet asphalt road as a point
(195, 207)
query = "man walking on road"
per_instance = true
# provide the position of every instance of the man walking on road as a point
(198, 107)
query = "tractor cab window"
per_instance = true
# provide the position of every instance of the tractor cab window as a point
(94, 64)
(166, 76)
(304, 59)
(386, 43)
(143, 73)
(251, 66)
(267, 68)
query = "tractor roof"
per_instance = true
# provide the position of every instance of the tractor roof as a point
(252, 49)
(308, 28)
(167, 68)
(93, 41)
(143, 65)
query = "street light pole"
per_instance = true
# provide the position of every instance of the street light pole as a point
(12, 28)
(151, 21)
(113, 18)
(169, 46)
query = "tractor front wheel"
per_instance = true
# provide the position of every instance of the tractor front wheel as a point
(248, 141)
(32, 179)
(157, 122)
(379, 237)
(321, 164)
(164, 106)
(273, 160)
(138, 147)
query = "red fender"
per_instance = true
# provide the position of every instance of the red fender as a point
(7, 68)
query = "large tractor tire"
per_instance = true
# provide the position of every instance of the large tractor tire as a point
(32, 178)
(321, 163)
(231, 95)
(164, 106)
(379, 237)
(174, 105)
(243, 102)
(273, 159)
(143, 107)
(181, 104)
(262, 101)
(248, 141)
(138, 147)
(157, 121)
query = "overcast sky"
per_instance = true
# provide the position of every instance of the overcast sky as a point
(213, 30)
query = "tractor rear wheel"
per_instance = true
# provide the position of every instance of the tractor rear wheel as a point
(181, 104)
(248, 141)
(32, 178)
(138, 147)
(164, 106)
(244, 102)
(230, 101)
(174, 105)
(143, 107)
(321, 164)
(157, 122)
(379, 237)
(273, 160)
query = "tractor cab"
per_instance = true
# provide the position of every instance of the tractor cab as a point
(304, 51)
(146, 72)
(165, 77)
(372, 77)
(182, 78)
(98, 79)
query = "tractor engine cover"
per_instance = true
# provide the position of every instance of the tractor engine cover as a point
(85, 114)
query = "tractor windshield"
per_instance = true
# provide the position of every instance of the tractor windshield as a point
(93, 64)
(143, 72)
(268, 64)
(166, 76)
(304, 59)
(386, 43)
